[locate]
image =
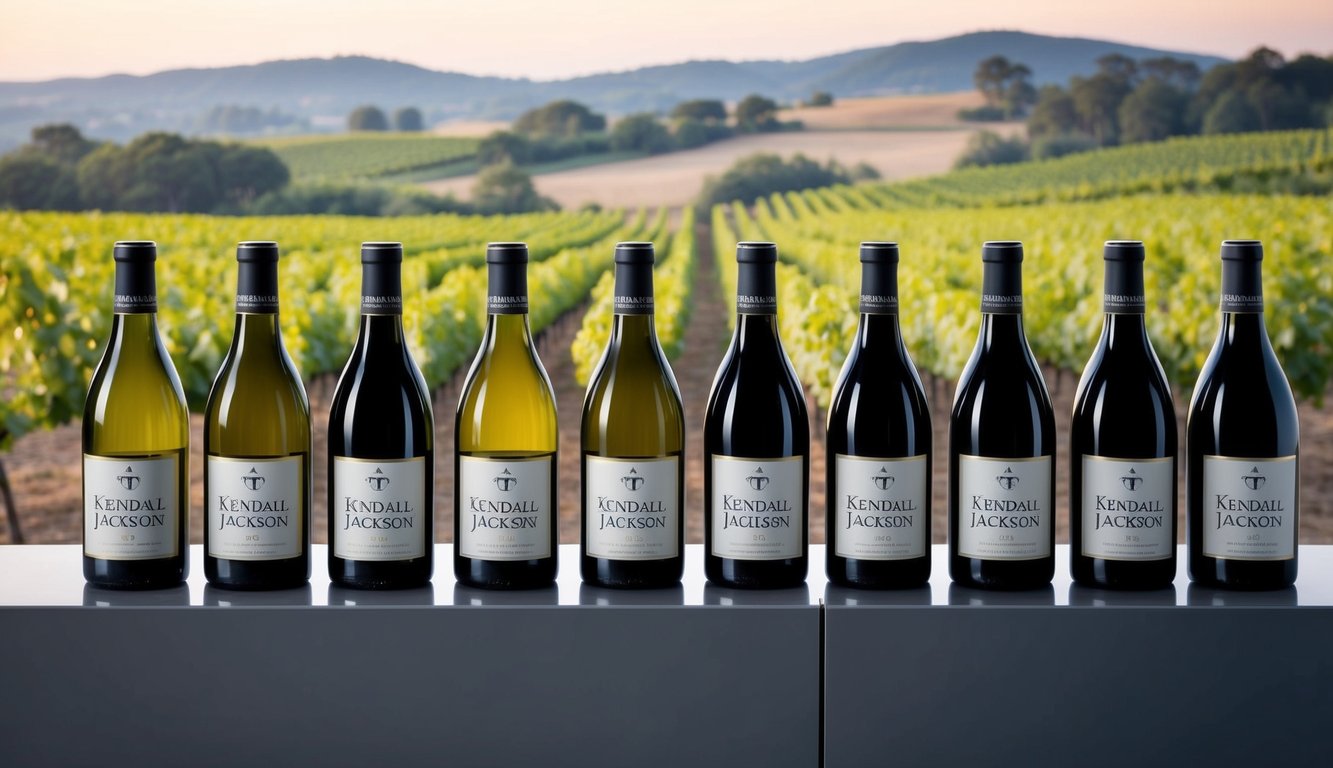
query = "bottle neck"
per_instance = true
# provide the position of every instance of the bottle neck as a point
(257, 288)
(259, 332)
(134, 325)
(756, 290)
(1122, 288)
(136, 289)
(381, 305)
(1000, 331)
(1002, 289)
(1123, 302)
(1242, 287)
(506, 330)
(879, 288)
(507, 289)
(137, 330)
(634, 290)
(879, 326)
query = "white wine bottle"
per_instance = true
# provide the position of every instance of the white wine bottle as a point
(381, 445)
(257, 444)
(505, 440)
(633, 444)
(136, 443)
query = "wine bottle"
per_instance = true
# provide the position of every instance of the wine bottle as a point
(1122, 455)
(505, 440)
(257, 444)
(1242, 440)
(381, 445)
(1002, 445)
(633, 436)
(756, 444)
(878, 446)
(136, 443)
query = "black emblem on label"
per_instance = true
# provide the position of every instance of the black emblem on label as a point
(378, 481)
(253, 480)
(505, 481)
(1254, 481)
(632, 481)
(129, 481)
(1132, 481)
(1008, 480)
(758, 481)
(883, 480)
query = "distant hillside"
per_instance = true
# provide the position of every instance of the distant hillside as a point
(322, 91)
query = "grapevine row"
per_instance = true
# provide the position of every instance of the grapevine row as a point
(940, 276)
(56, 279)
(673, 280)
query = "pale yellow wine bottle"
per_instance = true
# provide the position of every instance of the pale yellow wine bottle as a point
(633, 438)
(257, 444)
(136, 443)
(505, 444)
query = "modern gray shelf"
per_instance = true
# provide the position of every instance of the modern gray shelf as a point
(696, 675)
(443, 675)
(1068, 675)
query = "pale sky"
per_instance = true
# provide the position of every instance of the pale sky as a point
(551, 39)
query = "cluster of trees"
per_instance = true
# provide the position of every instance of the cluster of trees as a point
(233, 120)
(760, 175)
(372, 118)
(1128, 101)
(1007, 88)
(565, 129)
(62, 170)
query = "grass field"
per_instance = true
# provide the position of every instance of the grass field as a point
(883, 113)
(358, 156)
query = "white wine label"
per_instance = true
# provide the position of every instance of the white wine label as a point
(1249, 508)
(631, 508)
(1004, 508)
(504, 508)
(131, 507)
(379, 508)
(758, 507)
(1128, 508)
(881, 508)
(255, 507)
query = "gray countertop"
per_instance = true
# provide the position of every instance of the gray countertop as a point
(52, 575)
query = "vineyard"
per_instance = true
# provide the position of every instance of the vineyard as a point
(55, 291)
(56, 280)
(940, 275)
(343, 157)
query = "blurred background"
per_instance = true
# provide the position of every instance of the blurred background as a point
(691, 123)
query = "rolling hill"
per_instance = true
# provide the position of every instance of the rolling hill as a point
(322, 91)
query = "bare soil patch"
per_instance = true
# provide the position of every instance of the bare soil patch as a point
(676, 178)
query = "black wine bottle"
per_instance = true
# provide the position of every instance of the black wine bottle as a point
(1002, 445)
(756, 444)
(381, 445)
(1122, 455)
(1242, 440)
(878, 446)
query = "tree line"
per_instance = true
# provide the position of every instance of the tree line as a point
(1127, 101)
(565, 129)
(61, 170)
